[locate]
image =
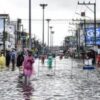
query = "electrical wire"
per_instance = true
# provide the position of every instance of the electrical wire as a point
(89, 8)
(45, 20)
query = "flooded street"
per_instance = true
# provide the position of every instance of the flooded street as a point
(67, 81)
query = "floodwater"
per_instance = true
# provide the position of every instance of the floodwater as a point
(66, 81)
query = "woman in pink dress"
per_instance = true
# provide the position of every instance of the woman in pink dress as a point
(28, 69)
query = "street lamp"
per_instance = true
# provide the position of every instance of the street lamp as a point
(52, 32)
(4, 17)
(43, 7)
(30, 45)
(50, 35)
(48, 20)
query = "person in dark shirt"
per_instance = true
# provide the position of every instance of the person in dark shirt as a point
(8, 58)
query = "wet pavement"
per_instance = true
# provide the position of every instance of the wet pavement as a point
(66, 81)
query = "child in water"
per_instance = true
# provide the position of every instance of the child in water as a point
(28, 69)
(50, 62)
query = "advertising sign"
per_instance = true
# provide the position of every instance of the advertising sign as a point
(90, 36)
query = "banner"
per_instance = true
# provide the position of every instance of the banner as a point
(90, 36)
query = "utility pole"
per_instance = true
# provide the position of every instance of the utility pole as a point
(78, 35)
(85, 34)
(94, 4)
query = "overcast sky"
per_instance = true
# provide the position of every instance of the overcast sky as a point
(56, 9)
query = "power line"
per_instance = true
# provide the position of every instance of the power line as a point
(85, 16)
(45, 19)
(89, 8)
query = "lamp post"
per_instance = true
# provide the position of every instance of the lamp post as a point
(52, 33)
(43, 7)
(30, 45)
(50, 36)
(48, 20)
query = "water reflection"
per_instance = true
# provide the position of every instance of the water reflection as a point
(25, 89)
(67, 84)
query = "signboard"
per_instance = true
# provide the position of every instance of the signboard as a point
(90, 36)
